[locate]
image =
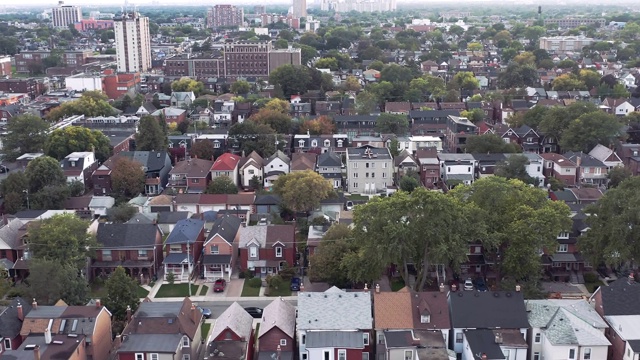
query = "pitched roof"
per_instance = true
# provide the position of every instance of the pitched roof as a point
(303, 161)
(279, 155)
(226, 227)
(621, 297)
(334, 309)
(393, 310)
(253, 159)
(165, 318)
(433, 303)
(9, 235)
(602, 152)
(281, 314)
(499, 309)
(583, 159)
(236, 319)
(284, 234)
(193, 167)
(152, 160)
(558, 159)
(185, 231)
(10, 324)
(156, 343)
(256, 233)
(226, 162)
(267, 199)
(118, 235)
(329, 159)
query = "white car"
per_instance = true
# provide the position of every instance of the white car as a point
(349, 205)
(263, 221)
(468, 285)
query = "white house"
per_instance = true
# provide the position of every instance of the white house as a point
(566, 329)
(534, 167)
(421, 142)
(274, 166)
(250, 166)
(460, 167)
(606, 155)
(78, 166)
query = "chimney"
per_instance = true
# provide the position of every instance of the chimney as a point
(36, 352)
(98, 303)
(441, 287)
(278, 352)
(20, 312)
(34, 304)
(47, 336)
(454, 287)
(194, 313)
(518, 288)
(378, 288)
(484, 356)
(366, 287)
(631, 278)
(301, 286)
(128, 313)
(498, 338)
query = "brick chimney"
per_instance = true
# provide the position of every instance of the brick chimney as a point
(36, 352)
(366, 287)
(128, 313)
(20, 312)
(518, 288)
(194, 313)
(278, 352)
(631, 278)
(98, 303)
(34, 304)
(378, 288)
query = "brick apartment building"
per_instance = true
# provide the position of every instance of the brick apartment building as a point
(225, 15)
(5, 66)
(31, 86)
(198, 65)
(93, 24)
(27, 61)
(117, 85)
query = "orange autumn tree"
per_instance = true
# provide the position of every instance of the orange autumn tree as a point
(322, 125)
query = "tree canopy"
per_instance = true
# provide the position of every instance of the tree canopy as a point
(90, 104)
(321, 125)
(25, 134)
(127, 177)
(122, 292)
(221, 185)
(150, 135)
(62, 142)
(44, 171)
(302, 191)
(489, 143)
(392, 124)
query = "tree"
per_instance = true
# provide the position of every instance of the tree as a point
(466, 80)
(589, 130)
(308, 53)
(409, 182)
(614, 226)
(590, 78)
(122, 293)
(474, 46)
(240, 87)
(302, 191)
(423, 228)
(352, 84)
(221, 185)
(62, 238)
(321, 125)
(619, 92)
(90, 104)
(394, 73)
(293, 80)
(393, 147)
(44, 171)
(517, 75)
(51, 280)
(252, 136)
(16, 182)
(50, 197)
(188, 84)
(327, 63)
(489, 143)
(517, 221)
(278, 121)
(392, 124)
(475, 115)
(25, 134)
(62, 142)
(616, 176)
(515, 167)
(13, 202)
(557, 119)
(150, 136)
(568, 82)
(127, 177)
(121, 213)
(278, 105)
(202, 149)
(326, 261)
(366, 103)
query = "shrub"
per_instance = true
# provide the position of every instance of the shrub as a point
(14, 292)
(255, 282)
(248, 274)
(241, 275)
(590, 277)
(171, 278)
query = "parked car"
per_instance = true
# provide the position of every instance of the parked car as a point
(4, 169)
(256, 312)
(295, 284)
(468, 285)
(206, 313)
(219, 285)
(454, 285)
(349, 205)
(481, 285)
(263, 221)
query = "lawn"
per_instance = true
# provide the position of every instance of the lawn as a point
(396, 284)
(203, 290)
(142, 292)
(592, 286)
(358, 197)
(205, 328)
(281, 291)
(176, 290)
(249, 291)
(100, 292)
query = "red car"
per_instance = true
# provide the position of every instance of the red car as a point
(219, 285)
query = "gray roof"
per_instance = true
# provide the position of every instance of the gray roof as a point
(455, 157)
(459, 177)
(185, 231)
(51, 312)
(118, 235)
(216, 259)
(157, 343)
(278, 154)
(9, 238)
(360, 153)
(329, 159)
(256, 233)
(227, 227)
(153, 160)
(483, 342)
(585, 159)
(10, 325)
(621, 297)
(267, 199)
(140, 218)
(334, 339)
(236, 319)
(499, 309)
(334, 309)
(177, 258)
(568, 322)
(395, 338)
(281, 314)
(172, 217)
(158, 309)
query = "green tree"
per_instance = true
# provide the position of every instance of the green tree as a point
(392, 124)
(278, 121)
(489, 143)
(240, 87)
(252, 136)
(619, 92)
(514, 167)
(90, 104)
(122, 293)
(321, 125)
(121, 213)
(302, 191)
(590, 78)
(51, 280)
(25, 134)
(221, 185)
(518, 221)
(44, 171)
(410, 181)
(557, 119)
(466, 80)
(188, 84)
(475, 115)
(517, 75)
(617, 175)
(327, 63)
(393, 147)
(568, 82)
(326, 261)
(62, 142)
(589, 130)
(293, 80)
(613, 236)
(127, 177)
(50, 197)
(150, 136)
(366, 103)
(13, 202)
(202, 149)
(396, 73)
(307, 53)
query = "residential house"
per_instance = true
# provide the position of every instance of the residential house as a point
(277, 335)
(223, 114)
(629, 153)
(429, 164)
(171, 115)
(303, 161)
(334, 325)
(457, 168)
(397, 107)
(78, 166)
(183, 248)
(266, 249)
(180, 147)
(23, 160)
(226, 165)
(586, 195)
(494, 344)
(267, 204)
(156, 165)
(329, 165)
(617, 304)
(51, 347)
(566, 328)
(250, 167)
(320, 143)
(431, 312)
(356, 125)
(457, 131)
(221, 248)
(430, 122)
(534, 166)
(589, 169)
(182, 99)
(89, 326)
(137, 247)
(190, 176)
(491, 310)
(618, 107)
(404, 163)
(169, 329)
(415, 142)
(232, 335)
(327, 108)
(369, 169)
(10, 242)
(608, 156)
(298, 108)
(274, 166)
(563, 169)
(486, 164)
(11, 319)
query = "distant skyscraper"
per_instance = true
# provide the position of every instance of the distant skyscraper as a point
(299, 8)
(133, 42)
(63, 15)
(259, 9)
(225, 15)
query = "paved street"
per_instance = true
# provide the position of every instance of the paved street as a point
(217, 307)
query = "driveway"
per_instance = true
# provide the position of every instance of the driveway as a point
(234, 288)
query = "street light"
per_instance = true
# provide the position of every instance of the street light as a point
(27, 192)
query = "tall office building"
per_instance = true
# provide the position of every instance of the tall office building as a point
(299, 8)
(63, 15)
(133, 45)
(225, 15)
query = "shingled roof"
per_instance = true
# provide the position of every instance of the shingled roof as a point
(118, 235)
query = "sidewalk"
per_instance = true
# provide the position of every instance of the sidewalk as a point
(229, 299)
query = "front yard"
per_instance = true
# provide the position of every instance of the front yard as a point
(280, 291)
(176, 290)
(100, 292)
(205, 328)
(251, 287)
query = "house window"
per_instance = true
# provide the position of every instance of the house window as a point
(326, 355)
(186, 357)
(366, 165)
(213, 250)
(185, 341)
(283, 342)
(355, 165)
(327, 143)
(173, 249)
(537, 338)
(355, 185)
(7, 344)
(567, 170)
(384, 165)
(408, 355)
(139, 356)
(195, 181)
(459, 338)
(586, 170)
(304, 356)
(365, 339)
(598, 171)
(301, 143)
(253, 252)
(572, 354)
(314, 143)
(384, 175)
(278, 251)
(506, 353)
(153, 357)
(562, 248)
(366, 175)
(549, 165)
(339, 143)
(216, 145)
(425, 319)
(587, 353)
(342, 354)
(365, 356)
(536, 356)
(106, 255)
(142, 254)
(304, 339)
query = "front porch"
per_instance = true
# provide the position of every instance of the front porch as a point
(142, 271)
(564, 267)
(216, 267)
(264, 268)
(180, 265)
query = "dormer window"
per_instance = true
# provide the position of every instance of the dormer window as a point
(216, 144)
(425, 318)
(73, 164)
(185, 341)
(301, 143)
(327, 143)
(314, 143)
(339, 143)
(278, 251)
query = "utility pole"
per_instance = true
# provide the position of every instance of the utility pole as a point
(189, 267)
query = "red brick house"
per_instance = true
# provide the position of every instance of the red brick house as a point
(221, 248)
(232, 334)
(266, 249)
(183, 248)
(429, 167)
(171, 114)
(278, 330)
(119, 85)
(190, 176)
(226, 165)
(559, 167)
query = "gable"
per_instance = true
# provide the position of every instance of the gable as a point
(217, 240)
